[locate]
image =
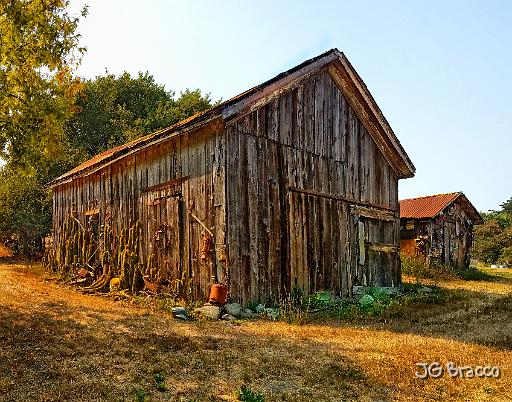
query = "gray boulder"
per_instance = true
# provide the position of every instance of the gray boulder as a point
(208, 312)
(246, 313)
(233, 309)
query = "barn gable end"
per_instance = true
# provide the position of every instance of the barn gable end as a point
(302, 168)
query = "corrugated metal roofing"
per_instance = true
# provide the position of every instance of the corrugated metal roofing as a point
(430, 206)
(425, 207)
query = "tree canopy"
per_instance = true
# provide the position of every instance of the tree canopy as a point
(51, 120)
(113, 110)
(39, 51)
(493, 239)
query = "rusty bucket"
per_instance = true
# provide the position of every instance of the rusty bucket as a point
(218, 294)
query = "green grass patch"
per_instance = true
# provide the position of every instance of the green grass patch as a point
(245, 394)
(375, 302)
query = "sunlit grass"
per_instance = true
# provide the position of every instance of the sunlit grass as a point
(82, 347)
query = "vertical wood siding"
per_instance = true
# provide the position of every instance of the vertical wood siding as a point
(295, 167)
(191, 167)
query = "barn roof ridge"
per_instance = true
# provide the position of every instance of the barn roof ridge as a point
(431, 196)
(237, 104)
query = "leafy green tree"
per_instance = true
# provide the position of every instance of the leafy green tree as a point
(113, 110)
(493, 239)
(25, 207)
(39, 50)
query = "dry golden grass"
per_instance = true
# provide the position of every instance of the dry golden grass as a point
(60, 345)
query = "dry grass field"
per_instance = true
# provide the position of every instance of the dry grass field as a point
(60, 345)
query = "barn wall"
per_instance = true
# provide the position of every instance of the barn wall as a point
(190, 171)
(296, 169)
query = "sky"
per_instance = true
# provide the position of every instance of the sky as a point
(439, 70)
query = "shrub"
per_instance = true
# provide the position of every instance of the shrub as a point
(247, 395)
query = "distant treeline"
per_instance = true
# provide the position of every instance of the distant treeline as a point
(493, 239)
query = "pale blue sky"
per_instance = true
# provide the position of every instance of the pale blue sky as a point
(439, 70)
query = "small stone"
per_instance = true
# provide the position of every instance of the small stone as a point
(246, 313)
(366, 300)
(209, 312)
(181, 317)
(233, 309)
(259, 308)
(179, 311)
(228, 317)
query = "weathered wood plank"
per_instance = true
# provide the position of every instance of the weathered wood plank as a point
(385, 248)
(373, 213)
(338, 197)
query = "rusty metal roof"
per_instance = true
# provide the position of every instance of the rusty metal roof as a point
(118, 151)
(232, 106)
(430, 206)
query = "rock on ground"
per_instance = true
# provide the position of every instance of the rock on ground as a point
(233, 309)
(208, 311)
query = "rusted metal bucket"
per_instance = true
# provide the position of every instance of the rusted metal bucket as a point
(218, 294)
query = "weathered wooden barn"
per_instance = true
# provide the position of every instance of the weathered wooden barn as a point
(439, 227)
(293, 183)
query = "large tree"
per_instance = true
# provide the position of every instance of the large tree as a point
(112, 110)
(39, 50)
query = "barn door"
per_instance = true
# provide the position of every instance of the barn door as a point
(319, 249)
(164, 236)
(449, 242)
(378, 246)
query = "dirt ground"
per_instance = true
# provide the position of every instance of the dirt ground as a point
(60, 345)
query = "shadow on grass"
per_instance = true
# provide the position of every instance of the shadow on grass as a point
(59, 352)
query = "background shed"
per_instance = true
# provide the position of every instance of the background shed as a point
(439, 227)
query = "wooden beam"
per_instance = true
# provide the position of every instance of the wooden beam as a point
(379, 214)
(384, 248)
(340, 198)
(170, 183)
